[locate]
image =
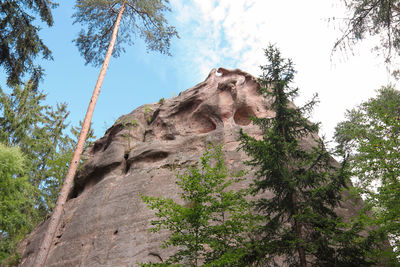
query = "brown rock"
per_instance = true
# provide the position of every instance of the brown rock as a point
(105, 222)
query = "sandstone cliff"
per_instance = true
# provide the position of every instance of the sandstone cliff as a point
(105, 222)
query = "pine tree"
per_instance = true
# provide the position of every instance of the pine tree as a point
(20, 43)
(300, 223)
(142, 18)
(103, 19)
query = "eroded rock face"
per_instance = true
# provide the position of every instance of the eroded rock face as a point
(105, 222)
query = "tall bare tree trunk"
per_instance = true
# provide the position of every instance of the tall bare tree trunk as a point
(44, 249)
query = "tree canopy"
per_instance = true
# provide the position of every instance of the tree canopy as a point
(16, 205)
(213, 226)
(143, 18)
(370, 138)
(372, 18)
(20, 42)
(38, 132)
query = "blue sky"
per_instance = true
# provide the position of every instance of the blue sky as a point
(215, 33)
(134, 79)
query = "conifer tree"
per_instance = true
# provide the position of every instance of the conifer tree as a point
(300, 223)
(144, 18)
(39, 131)
(19, 36)
(103, 19)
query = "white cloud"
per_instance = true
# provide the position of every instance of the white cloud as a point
(233, 34)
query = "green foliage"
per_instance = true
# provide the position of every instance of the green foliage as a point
(16, 204)
(19, 39)
(212, 227)
(134, 123)
(39, 131)
(12, 260)
(126, 121)
(161, 101)
(370, 18)
(148, 114)
(300, 223)
(370, 138)
(57, 166)
(129, 123)
(142, 17)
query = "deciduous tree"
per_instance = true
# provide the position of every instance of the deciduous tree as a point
(16, 206)
(370, 137)
(213, 226)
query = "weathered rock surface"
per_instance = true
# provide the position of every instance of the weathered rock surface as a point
(105, 222)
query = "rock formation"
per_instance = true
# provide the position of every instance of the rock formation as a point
(105, 223)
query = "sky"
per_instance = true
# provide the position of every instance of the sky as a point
(224, 33)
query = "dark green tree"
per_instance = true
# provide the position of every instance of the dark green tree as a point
(16, 204)
(39, 130)
(372, 18)
(291, 161)
(212, 227)
(20, 43)
(370, 138)
(102, 19)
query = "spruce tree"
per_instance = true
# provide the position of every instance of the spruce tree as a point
(40, 132)
(300, 223)
(20, 42)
